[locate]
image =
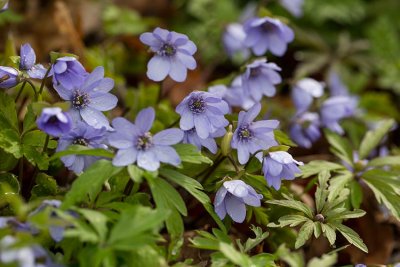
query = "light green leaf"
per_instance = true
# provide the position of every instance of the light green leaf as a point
(304, 234)
(356, 194)
(29, 120)
(253, 242)
(322, 192)
(340, 146)
(8, 113)
(337, 183)
(329, 232)
(11, 180)
(98, 220)
(135, 173)
(316, 166)
(351, 236)
(294, 204)
(189, 153)
(373, 137)
(283, 139)
(347, 214)
(385, 161)
(234, 256)
(83, 150)
(89, 183)
(291, 220)
(45, 186)
(327, 260)
(10, 142)
(161, 187)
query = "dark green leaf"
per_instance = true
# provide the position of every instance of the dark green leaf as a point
(10, 142)
(45, 186)
(11, 180)
(83, 150)
(304, 234)
(356, 194)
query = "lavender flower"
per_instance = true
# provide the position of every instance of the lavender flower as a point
(90, 98)
(27, 63)
(304, 91)
(293, 6)
(3, 6)
(265, 34)
(173, 54)
(84, 135)
(191, 137)
(336, 85)
(204, 112)
(9, 77)
(336, 108)
(233, 197)
(233, 40)
(54, 121)
(136, 144)
(260, 79)
(278, 166)
(305, 129)
(68, 72)
(250, 137)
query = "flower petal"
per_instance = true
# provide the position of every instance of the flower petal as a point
(167, 154)
(235, 208)
(144, 119)
(95, 118)
(148, 160)
(104, 102)
(168, 137)
(202, 126)
(158, 68)
(125, 157)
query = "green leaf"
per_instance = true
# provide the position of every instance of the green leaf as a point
(138, 226)
(291, 220)
(98, 220)
(160, 187)
(253, 242)
(340, 147)
(8, 113)
(304, 234)
(7, 162)
(347, 214)
(283, 139)
(83, 150)
(189, 153)
(11, 180)
(45, 186)
(316, 166)
(385, 161)
(292, 258)
(195, 189)
(327, 260)
(329, 232)
(337, 183)
(135, 173)
(10, 142)
(234, 256)
(372, 138)
(356, 194)
(29, 120)
(322, 192)
(294, 204)
(385, 186)
(89, 183)
(36, 157)
(351, 236)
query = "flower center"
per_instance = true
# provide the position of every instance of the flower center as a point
(197, 105)
(245, 133)
(191, 131)
(255, 72)
(80, 141)
(80, 100)
(268, 27)
(52, 119)
(145, 141)
(167, 50)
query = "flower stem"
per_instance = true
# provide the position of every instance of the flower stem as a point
(34, 88)
(233, 163)
(44, 79)
(20, 91)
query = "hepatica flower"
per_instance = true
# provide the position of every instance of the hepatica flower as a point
(260, 79)
(336, 108)
(233, 40)
(250, 137)
(68, 72)
(263, 34)
(54, 121)
(336, 85)
(233, 197)
(305, 129)
(84, 135)
(90, 98)
(9, 77)
(27, 63)
(135, 142)
(203, 111)
(304, 91)
(191, 137)
(278, 166)
(173, 54)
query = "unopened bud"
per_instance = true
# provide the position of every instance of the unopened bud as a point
(226, 142)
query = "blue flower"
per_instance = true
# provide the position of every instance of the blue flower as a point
(27, 63)
(90, 98)
(204, 112)
(260, 79)
(305, 129)
(54, 121)
(336, 85)
(4, 7)
(304, 91)
(233, 40)
(191, 137)
(173, 54)
(9, 77)
(250, 137)
(336, 108)
(278, 166)
(233, 197)
(265, 34)
(84, 135)
(135, 143)
(293, 6)
(68, 72)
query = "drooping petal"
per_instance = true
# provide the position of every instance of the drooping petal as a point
(235, 208)
(237, 188)
(178, 71)
(202, 126)
(187, 121)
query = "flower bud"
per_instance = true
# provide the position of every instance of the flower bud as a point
(54, 122)
(8, 77)
(226, 142)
